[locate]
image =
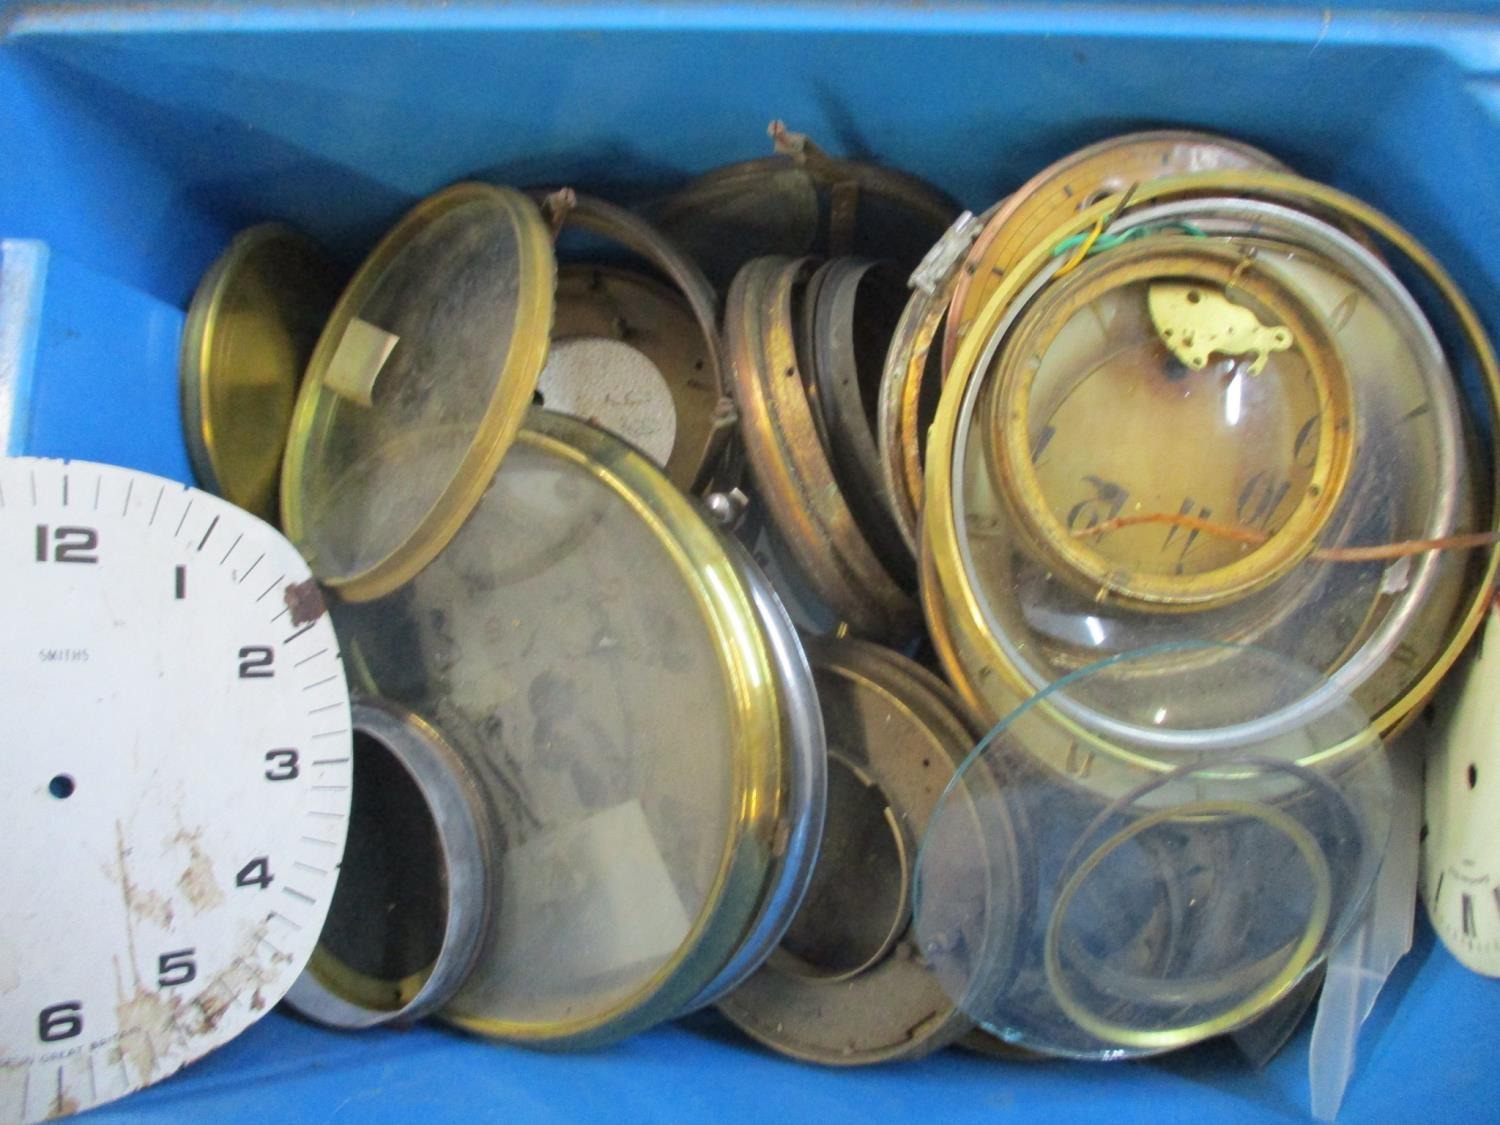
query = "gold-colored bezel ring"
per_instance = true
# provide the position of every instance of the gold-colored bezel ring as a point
(1015, 475)
(1298, 961)
(499, 420)
(759, 791)
(939, 519)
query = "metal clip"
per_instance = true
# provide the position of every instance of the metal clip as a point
(556, 208)
(945, 254)
(728, 508)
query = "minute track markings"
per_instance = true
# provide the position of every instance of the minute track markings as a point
(247, 573)
(156, 507)
(212, 524)
(183, 520)
(309, 659)
(308, 628)
(232, 546)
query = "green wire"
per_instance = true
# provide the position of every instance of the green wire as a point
(1110, 241)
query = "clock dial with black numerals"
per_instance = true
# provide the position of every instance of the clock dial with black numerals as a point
(174, 778)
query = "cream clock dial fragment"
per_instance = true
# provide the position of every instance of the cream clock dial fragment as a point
(1461, 812)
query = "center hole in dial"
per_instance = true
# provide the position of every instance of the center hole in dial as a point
(62, 786)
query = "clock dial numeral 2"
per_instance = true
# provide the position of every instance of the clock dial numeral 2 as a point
(256, 662)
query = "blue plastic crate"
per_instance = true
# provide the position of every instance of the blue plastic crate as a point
(135, 139)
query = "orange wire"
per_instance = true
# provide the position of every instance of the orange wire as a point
(1375, 553)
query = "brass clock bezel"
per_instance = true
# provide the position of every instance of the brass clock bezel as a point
(1015, 474)
(965, 616)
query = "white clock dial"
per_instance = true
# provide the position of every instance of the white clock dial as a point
(1461, 811)
(174, 778)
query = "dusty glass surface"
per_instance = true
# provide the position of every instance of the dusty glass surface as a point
(558, 641)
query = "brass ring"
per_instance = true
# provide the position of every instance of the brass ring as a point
(316, 419)
(625, 228)
(908, 373)
(251, 326)
(1340, 811)
(792, 472)
(733, 849)
(1014, 472)
(1298, 960)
